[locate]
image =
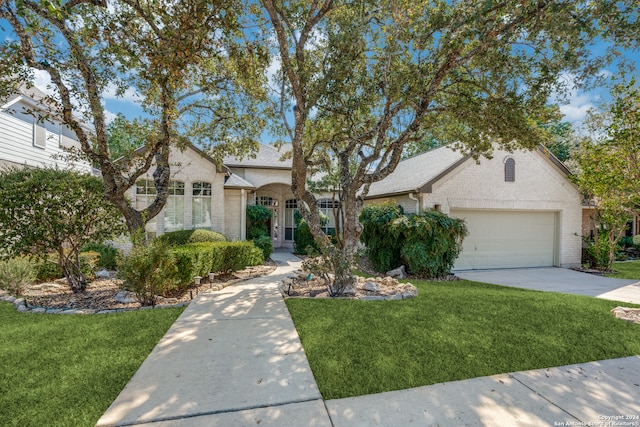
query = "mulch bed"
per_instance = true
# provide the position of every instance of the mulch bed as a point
(100, 293)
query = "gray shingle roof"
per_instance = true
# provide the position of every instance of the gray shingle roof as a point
(234, 181)
(412, 174)
(266, 157)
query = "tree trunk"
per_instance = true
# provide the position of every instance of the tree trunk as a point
(71, 269)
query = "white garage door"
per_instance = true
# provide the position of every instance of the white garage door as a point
(506, 239)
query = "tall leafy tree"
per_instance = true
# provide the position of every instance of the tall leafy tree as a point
(361, 80)
(196, 76)
(610, 166)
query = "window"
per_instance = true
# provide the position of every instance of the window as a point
(201, 205)
(39, 134)
(510, 170)
(145, 194)
(266, 201)
(290, 207)
(174, 208)
(327, 207)
(45, 133)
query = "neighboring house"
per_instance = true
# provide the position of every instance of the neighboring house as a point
(203, 196)
(28, 139)
(521, 209)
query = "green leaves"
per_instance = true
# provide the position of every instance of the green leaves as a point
(50, 210)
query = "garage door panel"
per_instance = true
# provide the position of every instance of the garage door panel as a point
(507, 239)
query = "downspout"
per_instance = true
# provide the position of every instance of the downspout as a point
(415, 199)
(243, 214)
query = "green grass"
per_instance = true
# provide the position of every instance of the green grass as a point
(65, 370)
(626, 270)
(453, 331)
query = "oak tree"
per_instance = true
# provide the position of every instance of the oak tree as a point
(196, 76)
(361, 79)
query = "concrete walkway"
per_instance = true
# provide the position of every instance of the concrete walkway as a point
(233, 358)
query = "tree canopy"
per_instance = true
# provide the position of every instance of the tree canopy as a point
(196, 76)
(364, 79)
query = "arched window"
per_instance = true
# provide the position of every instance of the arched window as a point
(201, 205)
(290, 207)
(510, 170)
(174, 208)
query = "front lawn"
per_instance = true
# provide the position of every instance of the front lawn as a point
(626, 270)
(453, 331)
(65, 370)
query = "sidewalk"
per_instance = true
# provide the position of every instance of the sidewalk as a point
(233, 358)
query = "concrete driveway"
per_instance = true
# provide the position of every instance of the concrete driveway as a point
(554, 279)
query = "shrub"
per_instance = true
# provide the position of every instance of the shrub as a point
(148, 271)
(48, 268)
(382, 248)
(431, 242)
(428, 243)
(107, 255)
(257, 221)
(51, 210)
(238, 255)
(303, 241)
(195, 259)
(15, 273)
(198, 259)
(182, 237)
(265, 243)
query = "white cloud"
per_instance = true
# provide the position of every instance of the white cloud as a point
(42, 80)
(109, 116)
(574, 103)
(129, 95)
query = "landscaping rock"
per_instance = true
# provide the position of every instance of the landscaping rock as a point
(371, 287)
(126, 297)
(22, 308)
(349, 291)
(39, 310)
(103, 274)
(399, 272)
(371, 297)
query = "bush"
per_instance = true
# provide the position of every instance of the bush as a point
(382, 248)
(49, 267)
(182, 237)
(303, 241)
(428, 243)
(107, 255)
(149, 271)
(257, 221)
(198, 259)
(15, 273)
(265, 244)
(239, 255)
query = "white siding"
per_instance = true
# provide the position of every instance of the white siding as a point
(16, 144)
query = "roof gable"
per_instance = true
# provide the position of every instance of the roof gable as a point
(413, 174)
(267, 157)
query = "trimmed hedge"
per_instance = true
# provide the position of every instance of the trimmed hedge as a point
(198, 259)
(182, 237)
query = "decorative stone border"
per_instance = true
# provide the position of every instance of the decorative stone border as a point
(23, 306)
(411, 293)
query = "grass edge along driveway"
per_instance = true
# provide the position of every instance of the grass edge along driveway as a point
(452, 331)
(65, 370)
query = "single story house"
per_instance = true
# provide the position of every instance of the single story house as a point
(204, 196)
(520, 207)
